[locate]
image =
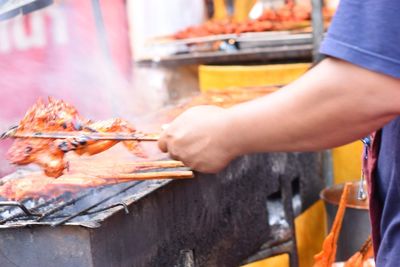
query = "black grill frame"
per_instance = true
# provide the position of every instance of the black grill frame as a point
(211, 220)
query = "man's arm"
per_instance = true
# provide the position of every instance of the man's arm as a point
(332, 104)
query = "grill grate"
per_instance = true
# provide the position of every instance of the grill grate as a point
(97, 204)
(84, 206)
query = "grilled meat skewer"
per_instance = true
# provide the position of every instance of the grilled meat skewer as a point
(57, 116)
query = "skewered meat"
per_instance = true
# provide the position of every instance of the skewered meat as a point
(288, 17)
(225, 98)
(84, 173)
(36, 185)
(56, 116)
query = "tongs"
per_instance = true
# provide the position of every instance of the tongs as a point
(81, 135)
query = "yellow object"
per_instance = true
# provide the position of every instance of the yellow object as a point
(242, 9)
(277, 261)
(310, 233)
(347, 162)
(220, 11)
(220, 77)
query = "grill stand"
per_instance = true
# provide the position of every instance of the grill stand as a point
(212, 220)
(283, 237)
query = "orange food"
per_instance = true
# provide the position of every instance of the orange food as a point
(225, 98)
(59, 116)
(270, 20)
(83, 173)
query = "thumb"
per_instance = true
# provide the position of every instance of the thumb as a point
(162, 143)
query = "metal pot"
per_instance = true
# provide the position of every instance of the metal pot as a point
(356, 225)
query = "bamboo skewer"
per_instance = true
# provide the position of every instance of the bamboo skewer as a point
(157, 164)
(12, 133)
(141, 166)
(130, 171)
(149, 175)
(130, 167)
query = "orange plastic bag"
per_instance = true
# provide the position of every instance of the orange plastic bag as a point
(327, 256)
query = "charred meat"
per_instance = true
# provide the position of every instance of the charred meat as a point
(59, 116)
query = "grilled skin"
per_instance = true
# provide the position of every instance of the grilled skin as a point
(56, 116)
(287, 17)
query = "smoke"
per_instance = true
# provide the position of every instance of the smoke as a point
(58, 51)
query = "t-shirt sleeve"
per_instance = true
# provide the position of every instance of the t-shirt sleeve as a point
(366, 33)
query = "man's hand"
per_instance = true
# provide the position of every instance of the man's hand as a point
(315, 112)
(198, 138)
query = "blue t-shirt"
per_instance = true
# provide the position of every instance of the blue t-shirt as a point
(367, 33)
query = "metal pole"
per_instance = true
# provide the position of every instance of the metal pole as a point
(101, 31)
(318, 33)
(105, 48)
(317, 28)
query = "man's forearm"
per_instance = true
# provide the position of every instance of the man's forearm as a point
(332, 104)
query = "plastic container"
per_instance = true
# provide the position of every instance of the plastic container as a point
(221, 77)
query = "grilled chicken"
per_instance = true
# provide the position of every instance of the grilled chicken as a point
(225, 99)
(83, 173)
(36, 185)
(59, 116)
(287, 17)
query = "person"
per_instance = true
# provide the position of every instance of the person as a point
(351, 93)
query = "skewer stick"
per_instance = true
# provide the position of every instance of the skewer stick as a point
(150, 175)
(151, 165)
(157, 164)
(82, 135)
(129, 167)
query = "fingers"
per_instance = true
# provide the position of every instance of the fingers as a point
(162, 143)
(175, 156)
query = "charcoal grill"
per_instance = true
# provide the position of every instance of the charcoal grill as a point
(211, 220)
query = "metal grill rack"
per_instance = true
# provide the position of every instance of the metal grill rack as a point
(232, 48)
(83, 207)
